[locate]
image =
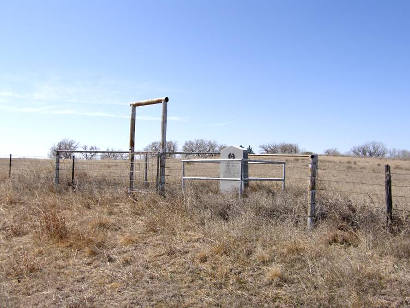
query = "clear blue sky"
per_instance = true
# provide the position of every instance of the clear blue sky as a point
(318, 73)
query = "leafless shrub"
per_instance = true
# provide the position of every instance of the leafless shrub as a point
(370, 149)
(64, 145)
(155, 147)
(280, 148)
(332, 151)
(399, 154)
(89, 156)
(114, 155)
(202, 146)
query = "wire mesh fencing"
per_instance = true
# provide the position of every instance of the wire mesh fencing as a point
(362, 180)
(26, 168)
(108, 169)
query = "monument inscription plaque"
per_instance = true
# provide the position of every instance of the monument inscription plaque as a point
(233, 169)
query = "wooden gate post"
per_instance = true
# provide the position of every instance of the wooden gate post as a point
(132, 149)
(164, 101)
(163, 148)
(389, 197)
(312, 191)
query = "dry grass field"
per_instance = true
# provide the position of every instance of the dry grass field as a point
(99, 247)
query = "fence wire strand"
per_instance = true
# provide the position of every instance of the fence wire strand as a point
(115, 172)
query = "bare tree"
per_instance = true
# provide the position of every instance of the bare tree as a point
(114, 155)
(155, 147)
(89, 156)
(399, 154)
(332, 151)
(202, 146)
(280, 148)
(64, 145)
(370, 149)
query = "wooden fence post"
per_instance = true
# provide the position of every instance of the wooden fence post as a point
(57, 174)
(10, 167)
(163, 158)
(132, 149)
(389, 197)
(312, 191)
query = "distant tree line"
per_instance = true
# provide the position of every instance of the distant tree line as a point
(369, 149)
(280, 148)
(203, 146)
(155, 147)
(372, 149)
(72, 145)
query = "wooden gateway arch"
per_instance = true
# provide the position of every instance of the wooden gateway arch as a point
(162, 154)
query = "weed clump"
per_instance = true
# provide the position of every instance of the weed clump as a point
(53, 225)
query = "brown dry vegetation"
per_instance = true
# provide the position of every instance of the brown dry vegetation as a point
(98, 246)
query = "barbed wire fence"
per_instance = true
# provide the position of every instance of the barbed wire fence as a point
(101, 169)
(380, 186)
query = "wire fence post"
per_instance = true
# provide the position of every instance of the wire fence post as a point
(57, 171)
(10, 167)
(389, 197)
(73, 172)
(312, 191)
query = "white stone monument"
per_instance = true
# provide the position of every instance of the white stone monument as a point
(233, 169)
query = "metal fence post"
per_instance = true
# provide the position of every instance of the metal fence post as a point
(312, 191)
(72, 172)
(157, 176)
(242, 184)
(183, 178)
(57, 171)
(10, 167)
(146, 171)
(284, 176)
(389, 197)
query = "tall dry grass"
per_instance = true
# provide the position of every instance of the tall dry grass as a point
(98, 246)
